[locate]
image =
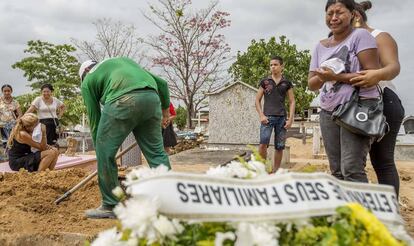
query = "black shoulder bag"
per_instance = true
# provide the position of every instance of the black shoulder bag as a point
(362, 119)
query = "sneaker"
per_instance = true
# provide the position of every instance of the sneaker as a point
(102, 212)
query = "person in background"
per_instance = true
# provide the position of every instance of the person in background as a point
(274, 89)
(9, 111)
(20, 143)
(50, 110)
(347, 51)
(132, 100)
(168, 134)
(382, 152)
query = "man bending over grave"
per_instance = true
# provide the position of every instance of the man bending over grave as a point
(133, 100)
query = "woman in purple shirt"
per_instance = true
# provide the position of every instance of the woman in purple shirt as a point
(334, 62)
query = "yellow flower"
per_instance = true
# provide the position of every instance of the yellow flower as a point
(378, 234)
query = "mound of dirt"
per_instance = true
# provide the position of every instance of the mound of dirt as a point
(27, 206)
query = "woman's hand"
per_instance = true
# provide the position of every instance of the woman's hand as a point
(367, 78)
(325, 74)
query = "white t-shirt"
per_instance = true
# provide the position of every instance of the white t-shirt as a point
(45, 111)
(37, 136)
(384, 84)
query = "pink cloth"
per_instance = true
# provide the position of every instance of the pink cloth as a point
(62, 162)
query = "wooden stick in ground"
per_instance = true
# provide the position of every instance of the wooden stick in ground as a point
(91, 176)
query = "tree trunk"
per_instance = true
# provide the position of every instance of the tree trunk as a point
(190, 115)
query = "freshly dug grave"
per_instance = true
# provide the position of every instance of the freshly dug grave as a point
(29, 216)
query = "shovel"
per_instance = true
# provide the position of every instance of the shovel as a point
(91, 176)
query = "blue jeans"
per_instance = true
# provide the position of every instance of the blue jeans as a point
(278, 124)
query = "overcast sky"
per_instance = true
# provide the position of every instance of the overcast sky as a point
(302, 21)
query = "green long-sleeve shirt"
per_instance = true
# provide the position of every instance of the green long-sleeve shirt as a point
(112, 78)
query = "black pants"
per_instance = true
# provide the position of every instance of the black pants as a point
(51, 126)
(382, 153)
(168, 136)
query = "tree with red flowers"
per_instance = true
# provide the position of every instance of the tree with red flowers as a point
(190, 50)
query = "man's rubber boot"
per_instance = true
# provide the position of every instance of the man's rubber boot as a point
(102, 212)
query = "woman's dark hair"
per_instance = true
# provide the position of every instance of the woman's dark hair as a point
(277, 58)
(49, 86)
(362, 7)
(349, 4)
(6, 86)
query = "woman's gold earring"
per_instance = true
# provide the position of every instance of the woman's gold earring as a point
(357, 23)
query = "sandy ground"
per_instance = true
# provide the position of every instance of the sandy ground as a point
(28, 215)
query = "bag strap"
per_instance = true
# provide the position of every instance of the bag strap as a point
(50, 111)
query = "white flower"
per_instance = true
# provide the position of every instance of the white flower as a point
(144, 172)
(107, 238)
(302, 223)
(298, 223)
(118, 192)
(178, 226)
(237, 170)
(151, 236)
(232, 170)
(257, 234)
(132, 241)
(193, 222)
(247, 170)
(138, 214)
(259, 167)
(221, 237)
(164, 226)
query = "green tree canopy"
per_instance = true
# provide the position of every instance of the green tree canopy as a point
(53, 64)
(181, 118)
(253, 65)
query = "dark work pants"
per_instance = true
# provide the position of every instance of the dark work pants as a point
(138, 112)
(382, 153)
